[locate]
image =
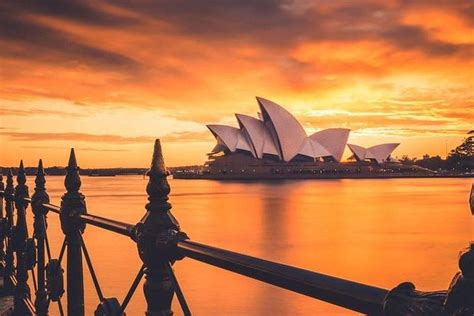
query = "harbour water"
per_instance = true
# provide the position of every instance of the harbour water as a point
(380, 232)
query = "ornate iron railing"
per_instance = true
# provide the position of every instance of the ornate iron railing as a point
(161, 242)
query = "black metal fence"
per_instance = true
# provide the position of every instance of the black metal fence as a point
(160, 243)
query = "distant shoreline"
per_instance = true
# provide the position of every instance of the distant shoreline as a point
(319, 177)
(111, 172)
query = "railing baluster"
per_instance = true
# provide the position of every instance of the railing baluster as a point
(22, 290)
(160, 243)
(39, 197)
(72, 205)
(9, 206)
(155, 234)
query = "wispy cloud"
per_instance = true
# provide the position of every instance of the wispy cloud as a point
(104, 138)
(192, 137)
(36, 112)
(76, 137)
(397, 67)
(80, 148)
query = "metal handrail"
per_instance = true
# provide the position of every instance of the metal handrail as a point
(352, 295)
(109, 224)
(98, 221)
(348, 294)
(160, 243)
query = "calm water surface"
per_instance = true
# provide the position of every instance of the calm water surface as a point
(379, 232)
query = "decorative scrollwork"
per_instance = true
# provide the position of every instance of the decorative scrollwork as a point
(109, 307)
(54, 280)
(405, 300)
(460, 300)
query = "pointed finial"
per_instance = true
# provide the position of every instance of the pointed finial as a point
(72, 159)
(158, 187)
(157, 162)
(21, 189)
(40, 196)
(72, 182)
(40, 180)
(9, 189)
(21, 176)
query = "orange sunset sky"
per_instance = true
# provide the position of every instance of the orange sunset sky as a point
(108, 77)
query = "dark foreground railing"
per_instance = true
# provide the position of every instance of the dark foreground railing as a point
(160, 244)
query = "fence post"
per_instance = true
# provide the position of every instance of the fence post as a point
(39, 197)
(3, 232)
(22, 290)
(72, 205)
(9, 199)
(154, 233)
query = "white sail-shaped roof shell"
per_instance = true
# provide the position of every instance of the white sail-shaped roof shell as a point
(313, 149)
(307, 148)
(218, 148)
(379, 153)
(358, 151)
(333, 140)
(225, 135)
(286, 131)
(230, 137)
(242, 142)
(261, 141)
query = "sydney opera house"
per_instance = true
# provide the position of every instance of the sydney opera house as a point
(277, 134)
(275, 144)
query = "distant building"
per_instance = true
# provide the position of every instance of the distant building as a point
(277, 135)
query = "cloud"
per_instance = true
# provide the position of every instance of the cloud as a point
(35, 112)
(81, 137)
(80, 148)
(75, 10)
(414, 37)
(201, 61)
(32, 40)
(280, 24)
(188, 137)
(109, 139)
(28, 31)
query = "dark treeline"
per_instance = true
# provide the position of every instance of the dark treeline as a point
(459, 159)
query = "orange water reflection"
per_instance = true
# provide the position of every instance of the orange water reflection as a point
(379, 232)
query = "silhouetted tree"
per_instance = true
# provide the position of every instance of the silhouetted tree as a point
(433, 163)
(407, 160)
(462, 157)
